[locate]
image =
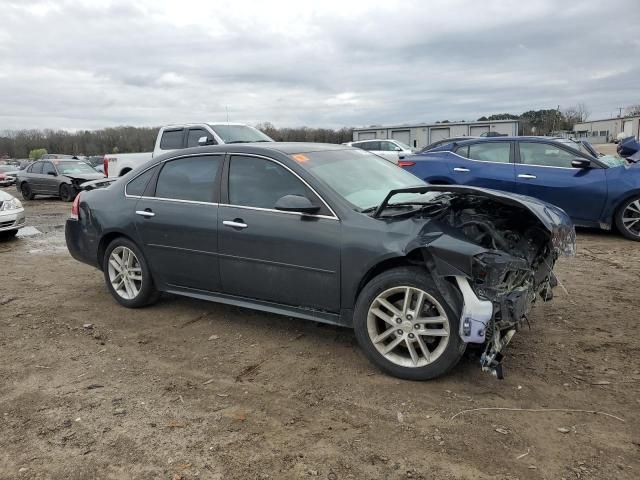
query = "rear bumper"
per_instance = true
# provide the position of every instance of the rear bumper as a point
(78, 243)
(12, 220)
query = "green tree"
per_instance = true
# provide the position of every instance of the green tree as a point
(37, 153)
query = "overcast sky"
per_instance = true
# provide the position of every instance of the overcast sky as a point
(89, 64)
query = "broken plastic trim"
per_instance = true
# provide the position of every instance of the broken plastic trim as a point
(476, 313)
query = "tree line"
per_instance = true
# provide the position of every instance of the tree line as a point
(19, 143)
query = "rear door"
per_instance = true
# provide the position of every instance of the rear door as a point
(544, 171)
(280, 257)
(34, 179)
(487, 164)
(177, 220)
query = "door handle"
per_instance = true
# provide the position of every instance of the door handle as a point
(460, 169)
(145, 213)
(526, 175)
(237, 223)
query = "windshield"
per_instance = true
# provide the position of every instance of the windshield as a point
(613, 161)
(361, 178)
(239, 134)
(73, 168)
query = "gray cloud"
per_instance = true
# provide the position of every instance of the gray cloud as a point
(89, 64)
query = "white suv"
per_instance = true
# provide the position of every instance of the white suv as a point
(392, 150)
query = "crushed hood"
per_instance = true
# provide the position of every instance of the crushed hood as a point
(552, 218)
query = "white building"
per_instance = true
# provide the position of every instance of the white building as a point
(603, 131)
(423, 134)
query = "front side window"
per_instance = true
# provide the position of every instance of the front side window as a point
(190, 178)
(490, 152)
(256, 182)
(194, 136)
(545, 155)
(48, 169)
(36, 168)
(388, 146)
(171, 139)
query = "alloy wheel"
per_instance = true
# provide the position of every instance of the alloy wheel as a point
(631, 218)
(408, 326)
(125, 273)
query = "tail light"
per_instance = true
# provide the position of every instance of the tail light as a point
(75, 207)
(406, 163)
(105, 165)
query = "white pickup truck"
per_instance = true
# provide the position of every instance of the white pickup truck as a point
(176, 137)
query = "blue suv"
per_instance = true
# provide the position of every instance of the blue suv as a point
(595, 191)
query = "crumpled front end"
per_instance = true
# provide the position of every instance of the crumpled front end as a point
(500, 251)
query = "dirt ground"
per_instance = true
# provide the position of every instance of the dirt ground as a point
(188, 389)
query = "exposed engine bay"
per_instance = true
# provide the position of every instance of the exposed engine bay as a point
(501, 247)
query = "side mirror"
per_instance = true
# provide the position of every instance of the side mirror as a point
(581, 163)
(53, 174)
(205, 141)
(397, 149)
(296, 203)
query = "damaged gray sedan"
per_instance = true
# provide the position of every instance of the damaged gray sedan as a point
(332, 234)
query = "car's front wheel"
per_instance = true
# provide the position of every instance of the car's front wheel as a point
(405, 326)
(628, 219)
(127, 275)
(67, 193)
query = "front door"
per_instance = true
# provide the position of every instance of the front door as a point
(266, 254)
(545, 172)
(484, 164)
(177, 221)
(49, 180)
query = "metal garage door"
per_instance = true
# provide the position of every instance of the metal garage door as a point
(436, 134)
(401, 135)
(366, 135)
(478, 129)
(628, 128)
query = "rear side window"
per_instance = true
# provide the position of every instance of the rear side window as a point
(256, 182)
(490, 152)
(171, 139)
(36, 168)
(190, 178)
(138, 185)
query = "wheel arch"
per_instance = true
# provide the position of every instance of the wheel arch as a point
(106, 239)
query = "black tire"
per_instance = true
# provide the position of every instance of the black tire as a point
(419, 278)
(147, 294)
(632, 232)
(26, 191)
(67, 193)
(6, 235)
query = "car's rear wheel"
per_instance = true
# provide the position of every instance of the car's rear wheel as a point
(628, 219)
(405, 326)
(67, 193)
(127, 274)
(26, 191)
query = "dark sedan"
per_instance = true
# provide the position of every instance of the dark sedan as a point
(61, 178)
(327, 233)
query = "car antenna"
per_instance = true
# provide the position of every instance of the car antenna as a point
(226, 107)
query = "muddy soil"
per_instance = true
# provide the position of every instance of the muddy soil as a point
(188, 389)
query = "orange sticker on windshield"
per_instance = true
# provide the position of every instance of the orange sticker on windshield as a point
(300, 158)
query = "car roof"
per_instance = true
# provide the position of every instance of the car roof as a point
(265, 148)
